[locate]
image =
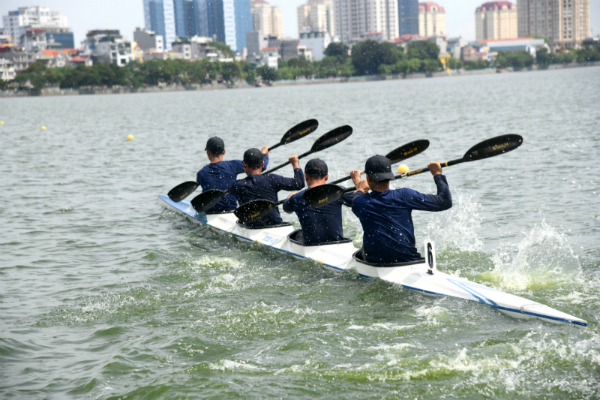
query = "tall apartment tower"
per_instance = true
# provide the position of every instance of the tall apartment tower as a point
(17, 22)
(496, 20)
(408, 17)
(266, 19)
(563, 22)
(316, 15)
(432, 19)
(355, 18)
(159, 16)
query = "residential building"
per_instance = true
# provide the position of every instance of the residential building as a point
(266, 19)
(60, 35)
(405, 40)
(107, 46)
(563, 22)
(408, 17)
(289, 49)
(20, 58)
(432, 19)
(455, 45)
(496, 20)
(305, 53)
(34, 40)
(354, 18)
(52, 58)
(316, 15)
(317, 41)
(229, 21)
(16, 23)
(81, 60)
(270, 57)
(159, 17)
(148, 40)
(530, 45)
(255, 42)
(7, 70)
(184, 47)
(470, 53)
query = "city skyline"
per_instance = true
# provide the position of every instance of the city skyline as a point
(126, 15)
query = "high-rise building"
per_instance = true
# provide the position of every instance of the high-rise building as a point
(563, 22)
(408, 17)
(159, 16)
(54, 25)
(185, 18)
(266, 19)
(432, 19)
(355, 18)
(316, 15)
(496, 20)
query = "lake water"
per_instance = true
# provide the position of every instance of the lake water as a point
(104, 294)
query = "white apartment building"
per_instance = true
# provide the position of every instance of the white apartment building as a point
(7, 70)
(317, 41)
(563, 22)
(108, 46)
(355, 18)
(16, 23)
(148, 40)
(496, 20)
(316, 15)
(266, 19)
(432, 19)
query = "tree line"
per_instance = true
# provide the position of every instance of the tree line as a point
(368, 58)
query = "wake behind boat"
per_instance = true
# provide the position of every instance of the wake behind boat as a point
(421, 276)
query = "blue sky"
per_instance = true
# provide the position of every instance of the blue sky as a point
(125, 15)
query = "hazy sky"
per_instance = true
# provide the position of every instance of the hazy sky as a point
(84, 15)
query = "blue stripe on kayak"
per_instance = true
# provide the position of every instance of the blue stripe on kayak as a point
(472, 293)
(469, 288)
(198, 218)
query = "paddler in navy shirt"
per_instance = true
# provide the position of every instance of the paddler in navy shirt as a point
(385, 215)
(256, 186)
(221, 174)
(322, 225)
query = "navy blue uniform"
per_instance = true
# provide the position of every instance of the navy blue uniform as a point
(221, 175)
(255, 187)
(319, 225)
(389, 234)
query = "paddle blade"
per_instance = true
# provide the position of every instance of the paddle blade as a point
(182, 191)
(207, 200)
(299, 131)
(331, 138)
(323, 195)
(407, 151)
(493, 147)
(254, 209)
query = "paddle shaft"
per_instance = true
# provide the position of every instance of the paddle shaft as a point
(308, 153)
(426, 169)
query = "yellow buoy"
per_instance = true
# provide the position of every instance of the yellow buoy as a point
(130, 137)
(43, 128)
(403, 168)
(1, 122)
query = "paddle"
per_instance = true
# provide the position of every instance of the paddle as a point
(184, 189)
(255, 209)
(486, 149)
(332, 192)
(208, 199)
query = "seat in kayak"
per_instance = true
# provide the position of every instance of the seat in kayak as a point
(359, 257)
(296, 238)
(264, 227)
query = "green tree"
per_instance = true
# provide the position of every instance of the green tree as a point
(3, 84)
(542, 58)
(224, 48)
(337, 50)
(368, 56)
(230, 72)
(267, 74)
(423, 50)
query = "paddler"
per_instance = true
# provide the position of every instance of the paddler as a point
(221, 174)
(256, 186)
(385, 215)
(323, 225)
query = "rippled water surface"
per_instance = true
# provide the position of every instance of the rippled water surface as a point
(103, 294)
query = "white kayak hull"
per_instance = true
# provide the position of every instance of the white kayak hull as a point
(421, 277)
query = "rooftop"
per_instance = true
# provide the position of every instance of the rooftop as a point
(430, 6)
(496, 5)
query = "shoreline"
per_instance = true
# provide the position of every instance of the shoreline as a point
(299, 82)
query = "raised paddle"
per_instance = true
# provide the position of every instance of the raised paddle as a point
(184, 189)
(332, 192)
(486, 149)
(206, 200)
(255, 209)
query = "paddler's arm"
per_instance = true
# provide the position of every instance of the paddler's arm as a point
(295, 183)
(362, 187)
(265, 153)
(288, 204)
(432, 202)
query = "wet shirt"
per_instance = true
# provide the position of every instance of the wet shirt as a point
(319, 225)
(386, 218)
(221, 175)
(255, 187)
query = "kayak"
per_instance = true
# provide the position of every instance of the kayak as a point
(422, 276)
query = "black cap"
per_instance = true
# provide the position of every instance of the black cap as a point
(253, 158)
(215, 145)
(316, 167)
(379, 168)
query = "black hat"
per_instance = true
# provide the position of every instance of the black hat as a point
(316, 167)
(253, 158)
(379, 168)
(215, 145)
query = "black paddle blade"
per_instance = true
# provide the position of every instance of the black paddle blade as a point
(331, 138)
(320, 196)
(254, 209)
(299, 131)
(182, 191)
(407, 151)
(207, 200)
(493, 147)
